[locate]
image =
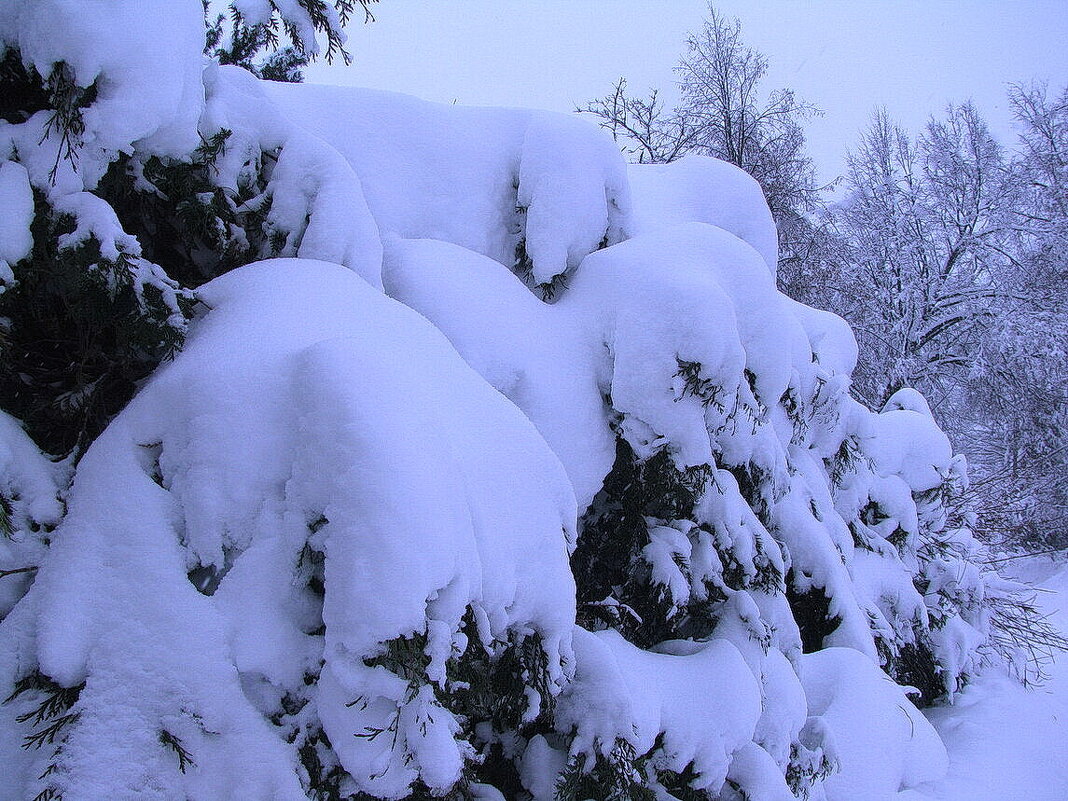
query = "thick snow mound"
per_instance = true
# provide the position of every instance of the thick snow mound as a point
(145, 61)
(634, 313)
(833, 344)
(621, 692)
(883, 744)
(909, 444)
(537, 355)
(701, 189)
(490, 180)
(316, 201)
(673, 277)
(910, 399)
(308, 414)
(16, 214)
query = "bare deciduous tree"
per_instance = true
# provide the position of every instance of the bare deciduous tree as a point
(949, 259)
(927, 226)
(724, 113)
(643, 128)
(1019, 395)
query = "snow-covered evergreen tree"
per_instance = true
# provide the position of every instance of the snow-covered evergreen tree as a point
(379, 521)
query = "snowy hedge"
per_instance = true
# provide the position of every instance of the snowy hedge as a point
(508, 473)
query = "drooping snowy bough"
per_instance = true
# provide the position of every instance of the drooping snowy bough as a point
(508, 473)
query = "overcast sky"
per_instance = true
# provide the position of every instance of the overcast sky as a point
(846, 56)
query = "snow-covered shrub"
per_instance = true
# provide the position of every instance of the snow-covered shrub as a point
(742, 468)
(445, 540)
(307, 563)
(143, 176)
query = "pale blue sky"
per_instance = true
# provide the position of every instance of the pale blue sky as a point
(847, 56)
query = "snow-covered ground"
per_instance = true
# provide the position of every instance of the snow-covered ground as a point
(1006, 742)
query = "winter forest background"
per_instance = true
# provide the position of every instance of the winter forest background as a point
(940, 253)
(355, 446)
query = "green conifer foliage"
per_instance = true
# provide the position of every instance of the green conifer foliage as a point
(86, 320)
(619, 776)
(81, 330)
(608, 562)
(48, 709)
(186, 223)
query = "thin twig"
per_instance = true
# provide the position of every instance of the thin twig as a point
(1023, 556)
(13, 571)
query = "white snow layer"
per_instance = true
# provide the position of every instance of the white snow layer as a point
(316, 201)
(143, 58)
(623, 692)
(29, 491)
(701, 189)
(304, 400)
(487, 179)
(882, 743)
(16, 214)
(691, 293)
